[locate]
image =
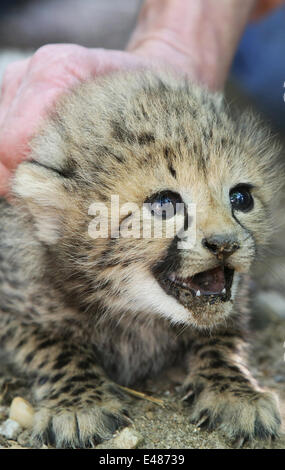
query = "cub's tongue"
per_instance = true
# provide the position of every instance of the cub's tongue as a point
(208, 282)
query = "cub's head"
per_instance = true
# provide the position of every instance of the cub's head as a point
(149, 198)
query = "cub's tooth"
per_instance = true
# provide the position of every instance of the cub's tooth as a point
(172, 277)
(224, 291)
(198, 293)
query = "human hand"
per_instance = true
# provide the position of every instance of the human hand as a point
(31, 86)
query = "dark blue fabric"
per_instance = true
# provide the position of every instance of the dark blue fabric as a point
(259, 65)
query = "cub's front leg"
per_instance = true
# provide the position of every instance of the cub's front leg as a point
(76, 404)
(223, 394)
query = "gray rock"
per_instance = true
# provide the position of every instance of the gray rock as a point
(10, 429)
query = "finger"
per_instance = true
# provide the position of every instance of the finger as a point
(102, 61)
(12, 79)
(4, 179)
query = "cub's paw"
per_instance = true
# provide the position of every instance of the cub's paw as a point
(242, 415)
(82, 425)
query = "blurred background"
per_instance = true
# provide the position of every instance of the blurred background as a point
(258, 70)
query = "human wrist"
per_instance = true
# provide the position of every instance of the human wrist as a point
(197, 38)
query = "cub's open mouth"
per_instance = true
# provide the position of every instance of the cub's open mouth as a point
(212, 285)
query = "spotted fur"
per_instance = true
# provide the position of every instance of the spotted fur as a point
(80, 315)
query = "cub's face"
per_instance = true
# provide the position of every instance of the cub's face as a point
(151, 198)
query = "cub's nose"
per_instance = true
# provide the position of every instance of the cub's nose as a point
(221, 245)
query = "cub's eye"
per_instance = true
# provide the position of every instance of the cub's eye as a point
(163, 204)
(241, 198)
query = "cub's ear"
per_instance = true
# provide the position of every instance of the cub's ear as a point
(44, 193)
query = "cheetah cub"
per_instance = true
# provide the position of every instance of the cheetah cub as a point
(81, 313)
